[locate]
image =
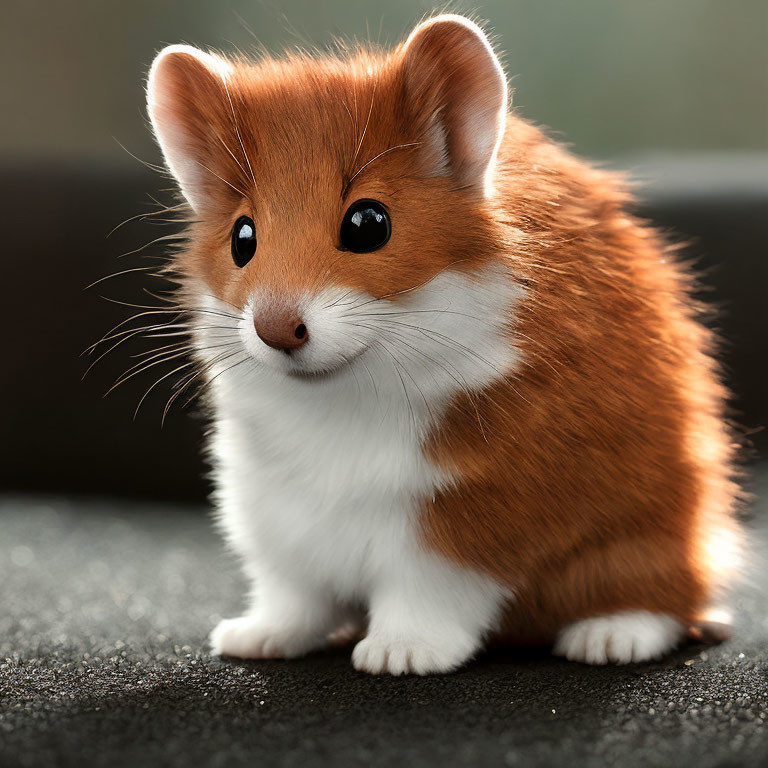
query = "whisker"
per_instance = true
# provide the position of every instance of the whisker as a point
(190, 346)
(170, 310)
(419, 353)
(216, 298)
(146, 214)
(365, 130)
(162, 378)
(430, 332)
(161, 239)
(179, 347)
(110, 349)
(397, 368)
(160, 295)
(116, 274)
(452, 343)
(152, 167)
(110, 334)
(221, 178)
(190, 329)
(171, 324)
(205, 385)
(377, 157)
(167, 355)
(341, 298)
(373, 381)
(123, 377)
(460, 381)
(231, 154)
(150, 352)
(416, 287)
(392, 313)
(173, 397)
(237, 131)
(177, 329)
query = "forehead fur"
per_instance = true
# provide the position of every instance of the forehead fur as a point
(310, 122)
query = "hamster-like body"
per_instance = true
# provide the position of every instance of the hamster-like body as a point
(458, 394)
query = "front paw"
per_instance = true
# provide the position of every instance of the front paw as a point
(378, 654)
(249, 637)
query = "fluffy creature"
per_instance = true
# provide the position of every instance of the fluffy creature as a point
(458, 393)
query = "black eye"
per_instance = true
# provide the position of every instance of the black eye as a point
(366, 227)
(243, 241)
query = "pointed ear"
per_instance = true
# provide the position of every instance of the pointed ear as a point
(186, 98)
(457, 91)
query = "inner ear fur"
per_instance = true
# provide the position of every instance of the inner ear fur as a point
(457, 94)
(187, 102)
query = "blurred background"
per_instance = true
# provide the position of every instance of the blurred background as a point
(676, 93)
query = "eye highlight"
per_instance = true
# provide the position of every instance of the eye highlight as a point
(243, 241)
(366, 227)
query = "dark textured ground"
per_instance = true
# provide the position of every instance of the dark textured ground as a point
(104, 610)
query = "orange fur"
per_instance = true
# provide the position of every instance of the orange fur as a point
(596, 477)
(608, 482)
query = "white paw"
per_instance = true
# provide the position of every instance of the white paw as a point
(619, 638)
(378, 655)
(247, 637)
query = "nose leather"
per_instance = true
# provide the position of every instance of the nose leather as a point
(281, 328)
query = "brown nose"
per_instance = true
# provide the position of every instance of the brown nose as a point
(281, 329)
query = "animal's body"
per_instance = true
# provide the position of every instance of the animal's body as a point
(477, 407)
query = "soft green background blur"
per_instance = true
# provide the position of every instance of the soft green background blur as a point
(609, 76)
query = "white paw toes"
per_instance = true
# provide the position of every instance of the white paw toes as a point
(619, 638)
(381, 655)
(247, 637)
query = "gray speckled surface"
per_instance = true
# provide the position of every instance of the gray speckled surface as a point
(104, 611)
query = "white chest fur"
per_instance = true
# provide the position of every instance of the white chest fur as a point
(326, 473)
(320, 479)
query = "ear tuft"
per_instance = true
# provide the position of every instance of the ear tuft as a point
(186, 92)
(457, 92)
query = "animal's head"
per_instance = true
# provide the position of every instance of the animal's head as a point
(329, 194)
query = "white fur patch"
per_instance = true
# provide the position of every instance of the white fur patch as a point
(620, 638)
(320, 477)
